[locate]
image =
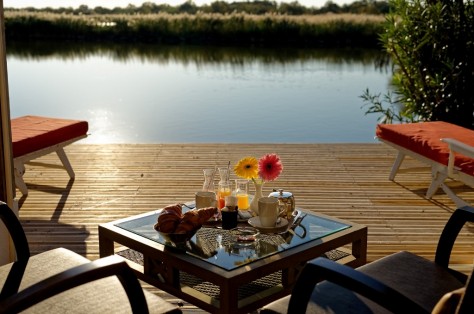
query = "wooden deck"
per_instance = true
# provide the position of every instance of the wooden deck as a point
(349, 181)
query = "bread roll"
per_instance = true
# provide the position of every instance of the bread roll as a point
(169, 218)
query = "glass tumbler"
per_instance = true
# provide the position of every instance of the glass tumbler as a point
(224, 189)
(242, 193)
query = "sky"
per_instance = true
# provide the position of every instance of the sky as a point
(124, 3)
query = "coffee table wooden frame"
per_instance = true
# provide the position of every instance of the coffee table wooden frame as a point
(162, 266)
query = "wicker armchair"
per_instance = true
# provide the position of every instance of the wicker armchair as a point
(60, 281)
(400, 283)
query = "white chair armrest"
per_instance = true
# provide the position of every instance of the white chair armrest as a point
(459, 147)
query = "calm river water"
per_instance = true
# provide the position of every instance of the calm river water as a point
(149, 94)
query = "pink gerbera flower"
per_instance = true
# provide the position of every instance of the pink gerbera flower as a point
(269, 167)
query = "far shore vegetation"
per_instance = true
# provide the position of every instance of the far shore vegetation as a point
(257, 23)
(257, 7)
(428, 42)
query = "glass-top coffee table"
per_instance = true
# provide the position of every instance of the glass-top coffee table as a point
(219, 274)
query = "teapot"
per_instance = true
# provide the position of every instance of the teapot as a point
(286, 202)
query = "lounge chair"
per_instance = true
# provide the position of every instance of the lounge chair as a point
(34, 136)
(447, 148)
(61, 281)
(399, 283)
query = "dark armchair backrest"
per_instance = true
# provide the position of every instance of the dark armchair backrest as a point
(450, 233)
(15, 229)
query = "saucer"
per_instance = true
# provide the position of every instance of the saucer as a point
(255, 222)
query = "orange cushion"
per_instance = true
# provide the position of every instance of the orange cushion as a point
(424, 138)
(32, 133)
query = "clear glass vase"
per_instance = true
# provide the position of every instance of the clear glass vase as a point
(208, 184)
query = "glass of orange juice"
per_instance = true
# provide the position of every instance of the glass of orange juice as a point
(241, 192)
(223, 190)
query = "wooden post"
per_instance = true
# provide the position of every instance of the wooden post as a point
(7, 188)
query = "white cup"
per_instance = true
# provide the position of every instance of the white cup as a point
(268, 211)
(205, 199)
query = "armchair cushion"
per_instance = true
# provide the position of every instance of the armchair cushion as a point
(100, 296)
(414, 276)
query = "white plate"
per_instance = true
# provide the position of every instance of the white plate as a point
(255, 222)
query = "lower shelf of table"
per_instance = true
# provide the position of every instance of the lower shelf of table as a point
(212, 290)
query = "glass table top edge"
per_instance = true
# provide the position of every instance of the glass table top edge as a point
(228, 256)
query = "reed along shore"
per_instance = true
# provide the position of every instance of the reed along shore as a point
(322, 30)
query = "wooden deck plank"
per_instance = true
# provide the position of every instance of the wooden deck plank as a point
(348, 181)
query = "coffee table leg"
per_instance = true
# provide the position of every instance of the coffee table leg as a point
(162, 271)
(106, 246)
(289, 275)
(228, 298)
(359, 249)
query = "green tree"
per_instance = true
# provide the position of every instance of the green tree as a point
(147, 8)
(330, 6)
(220, 7)
(84, 9)
(101, 10)
(292, 8)
(431, 44)
(188, 7)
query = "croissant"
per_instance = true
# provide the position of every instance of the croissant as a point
(169, 219)
(176, 208)
(206, 213)
(194, 219)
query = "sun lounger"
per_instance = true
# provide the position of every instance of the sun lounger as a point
(34, 136)
(447, 148)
